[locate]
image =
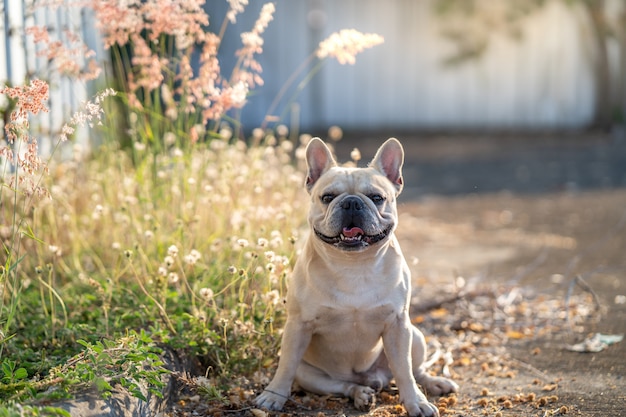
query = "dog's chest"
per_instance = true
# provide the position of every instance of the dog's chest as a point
(344, 321)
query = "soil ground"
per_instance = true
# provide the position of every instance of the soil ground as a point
(518, 252)
(530, 267)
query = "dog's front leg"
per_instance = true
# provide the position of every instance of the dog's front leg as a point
(296, 338)
(397, 344)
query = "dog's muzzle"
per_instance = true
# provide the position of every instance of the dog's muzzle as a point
(353, 238)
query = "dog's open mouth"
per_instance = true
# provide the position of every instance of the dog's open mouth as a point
(353, 237)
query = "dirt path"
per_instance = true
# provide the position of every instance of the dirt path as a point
(508, 264)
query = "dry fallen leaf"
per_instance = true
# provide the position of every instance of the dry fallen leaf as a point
(258, 413)
(465, 361)
(439, 313)
(514, 334)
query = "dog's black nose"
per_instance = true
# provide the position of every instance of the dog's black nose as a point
(352, 204)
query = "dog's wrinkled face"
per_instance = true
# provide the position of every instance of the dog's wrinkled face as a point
(353, 208)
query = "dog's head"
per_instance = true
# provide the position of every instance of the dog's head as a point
(353, 209)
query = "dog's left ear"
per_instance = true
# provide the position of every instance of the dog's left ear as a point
(388, 160)
(319, 159)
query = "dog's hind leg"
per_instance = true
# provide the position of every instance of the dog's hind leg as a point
(433, 385)
(317, 381)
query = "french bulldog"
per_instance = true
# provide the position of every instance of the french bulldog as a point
(348, 330)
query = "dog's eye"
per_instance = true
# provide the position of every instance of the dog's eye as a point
(377, 198)
(327, 198)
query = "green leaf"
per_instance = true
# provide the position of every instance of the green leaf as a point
(7, 368)
(55, 411)
(84, 343)
(21, 373)
(102, 384)
(98, 347)
(155, 392)
(138, 394)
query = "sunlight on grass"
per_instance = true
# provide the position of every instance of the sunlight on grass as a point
(197, 255)
(176, 232)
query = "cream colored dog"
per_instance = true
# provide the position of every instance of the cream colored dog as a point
(348, 329)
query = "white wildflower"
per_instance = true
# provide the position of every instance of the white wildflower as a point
(335, 133)
(236, 7)
(355, 155)
(206, 293)
(282, 130)
(271, 297)
(169, 138)
(345, 44)
(172, 278)
(193, 257)
(168, 261)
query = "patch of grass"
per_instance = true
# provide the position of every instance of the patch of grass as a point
(193, 259)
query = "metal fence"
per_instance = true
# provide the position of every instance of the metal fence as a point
(21, 59)
(544, 79)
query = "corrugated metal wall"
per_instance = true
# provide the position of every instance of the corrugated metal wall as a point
(542, 80)
(20, 61)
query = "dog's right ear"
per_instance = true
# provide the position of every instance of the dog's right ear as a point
(319, 159)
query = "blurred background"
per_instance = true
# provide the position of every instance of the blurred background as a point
(525, 96)
(449, 64)
(533, 90)
(444, 65)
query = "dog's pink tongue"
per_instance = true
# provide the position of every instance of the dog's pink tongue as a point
(352, 232)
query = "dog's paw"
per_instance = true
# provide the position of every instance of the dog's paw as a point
(270, 400)
(436, 385)
(421, 409)
(364, 397)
